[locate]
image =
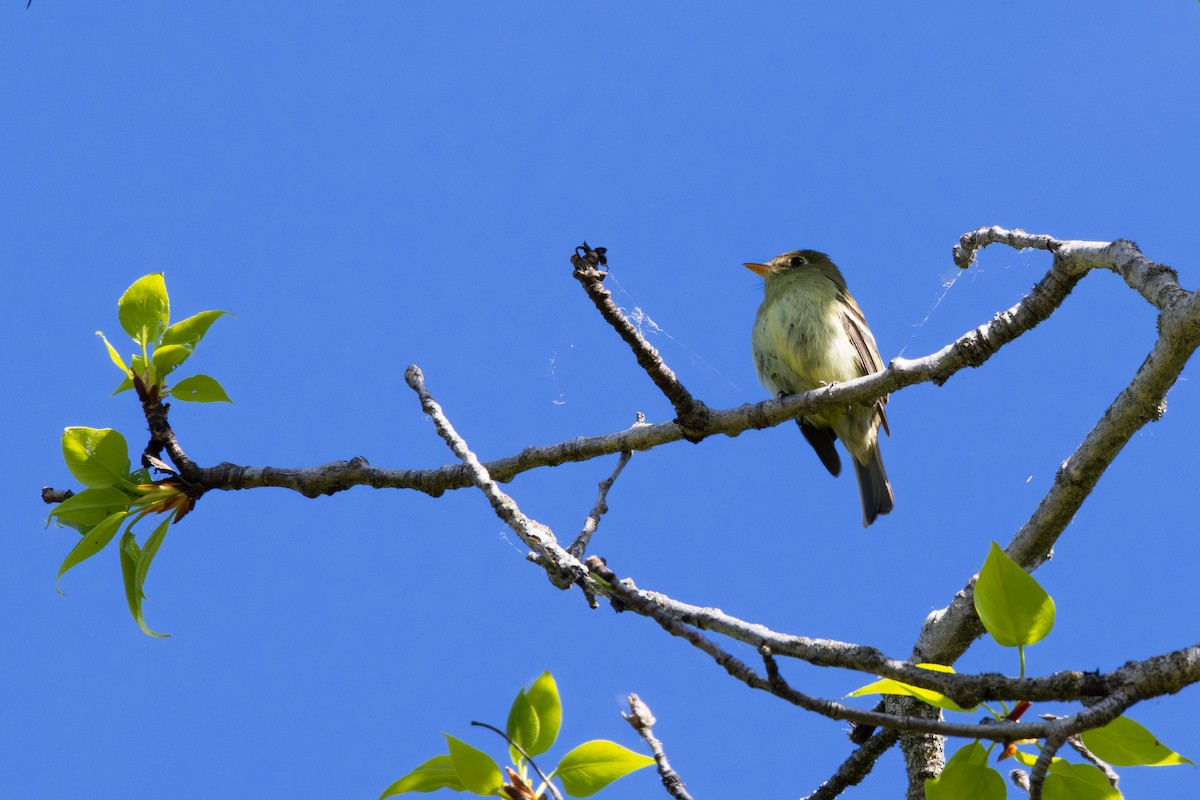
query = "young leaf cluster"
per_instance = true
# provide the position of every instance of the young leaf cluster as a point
(144, 311)
(533, 724)
(115, 495)
(1016, 611)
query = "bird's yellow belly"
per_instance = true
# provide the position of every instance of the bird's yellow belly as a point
(802, 346)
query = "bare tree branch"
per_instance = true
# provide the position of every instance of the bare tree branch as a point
(948, 632)
(690, 412)
(1076, 742)
(1162, 674)
(924, 753)
(1072, 260)
(561, 565)
(579, 546)
(857, 766)
(563, 568)
(642, 720)
(626, 597)
(1037, 775)
(1158, 284)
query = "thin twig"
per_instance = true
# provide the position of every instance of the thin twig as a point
(690, 412)
(857, 766)
(1076, 743)
(579, 546)
(562, 568)
(642, 720)
(553, 789)
(1157, 283)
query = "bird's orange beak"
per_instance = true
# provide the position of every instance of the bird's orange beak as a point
(760, 270)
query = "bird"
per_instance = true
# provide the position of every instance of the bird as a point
(809, 333)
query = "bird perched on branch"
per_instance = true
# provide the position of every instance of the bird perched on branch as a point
(809, 333)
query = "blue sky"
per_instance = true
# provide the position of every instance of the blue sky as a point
(376, 184)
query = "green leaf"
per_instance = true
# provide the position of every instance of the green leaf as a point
(92, 542)
(97, 457)
(535, 717)
(149, 551)
(190, 331)
(1015, 610)
(144, 309)
(972, 753)
(1067, 781)
(1029, 759)
(890, 686)
(436, 773)
(199, 389)
(114, 355)
(966, 775)
(1125, 743)
(168, 357)
(593, 765)
(476, 769)
(91, 506)
(134, 563)
(123, 386)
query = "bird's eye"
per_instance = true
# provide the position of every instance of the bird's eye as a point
(796, 261)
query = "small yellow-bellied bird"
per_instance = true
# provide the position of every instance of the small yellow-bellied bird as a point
(809, 333)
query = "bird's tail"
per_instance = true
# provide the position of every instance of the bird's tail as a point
(873, 486)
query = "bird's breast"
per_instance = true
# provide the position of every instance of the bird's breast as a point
(799, 340)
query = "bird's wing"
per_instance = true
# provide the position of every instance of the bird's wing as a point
(869, 361)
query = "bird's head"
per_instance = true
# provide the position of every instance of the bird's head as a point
(792, 262)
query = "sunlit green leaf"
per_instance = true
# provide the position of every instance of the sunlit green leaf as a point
(149, 551)
(593, 765)
(535, 717)
(144, 309)
(889, 686)
(168, 357)
(134, 563)
(1029, 759)
(114, 355)
(1125, 743)
(124, 386)
(966, 775)
(970, 753)
(92, 542)
(475, 768)
(87, 509)
(96, 456)
(199, 389)
(1012, 605)
(436, 773)
(190, 331)
(1067, 781)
